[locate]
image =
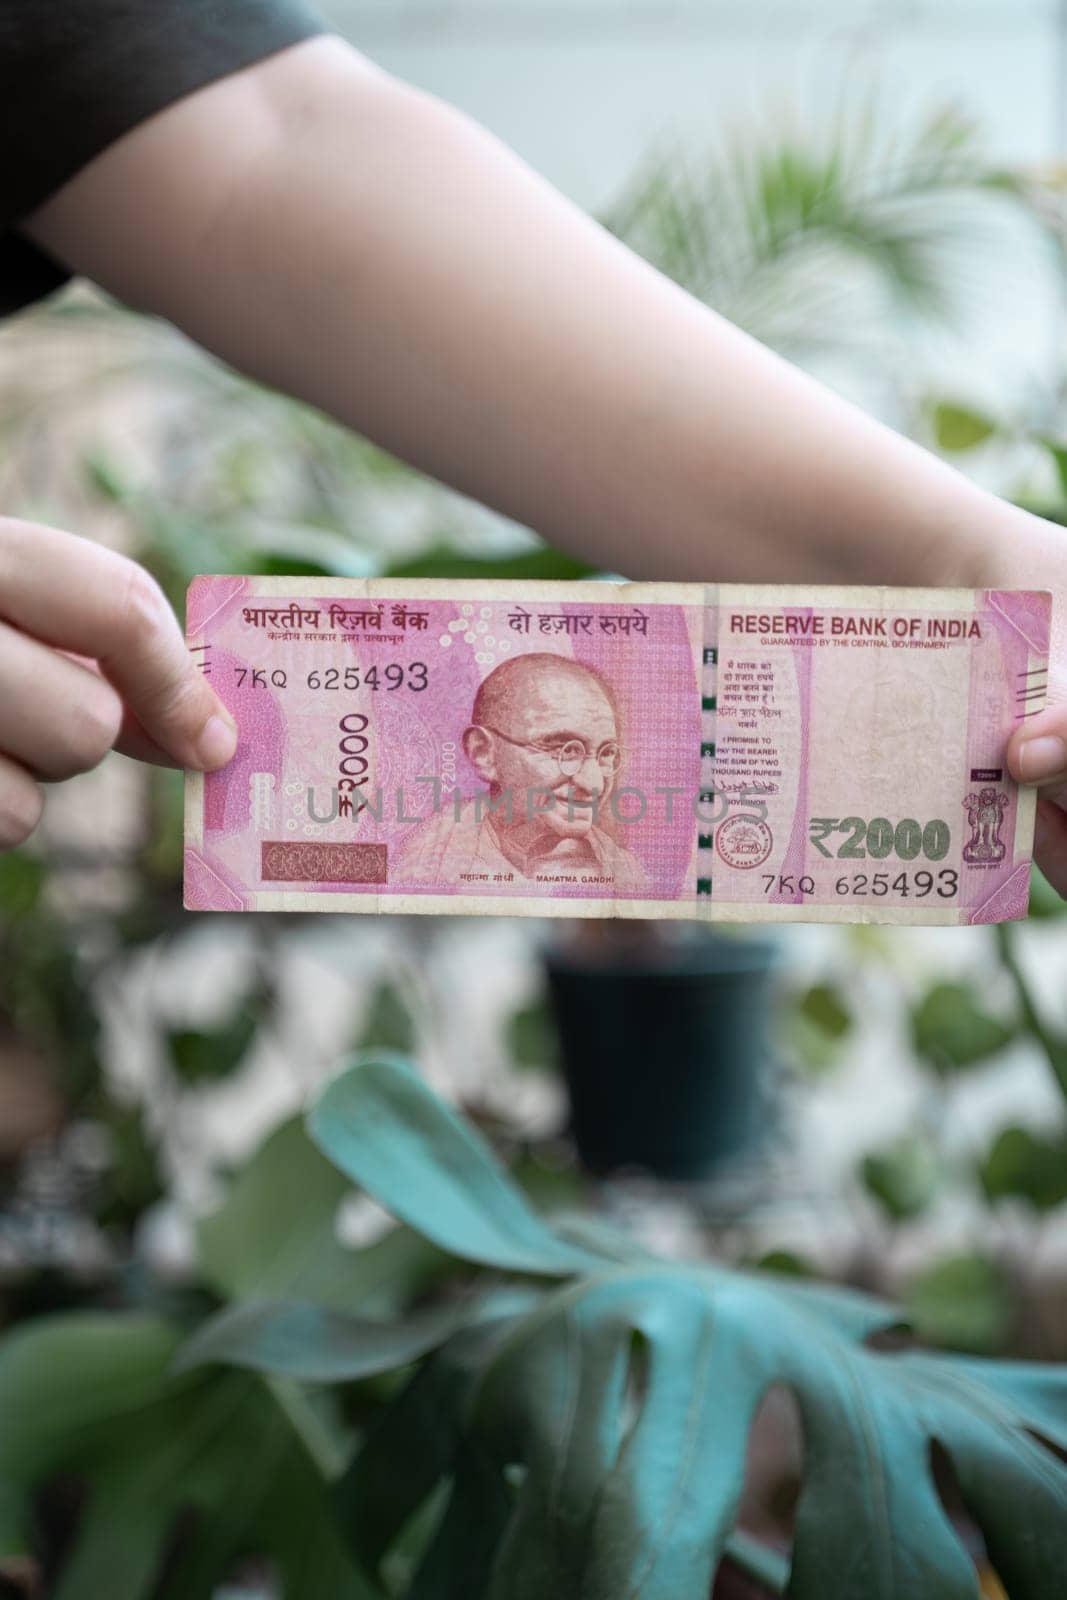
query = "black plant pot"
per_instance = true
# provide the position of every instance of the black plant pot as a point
(667, 1053)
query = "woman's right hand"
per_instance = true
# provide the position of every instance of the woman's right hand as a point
(1033, 555)
(92, 659)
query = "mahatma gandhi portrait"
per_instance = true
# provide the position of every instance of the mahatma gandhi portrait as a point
(544, 739)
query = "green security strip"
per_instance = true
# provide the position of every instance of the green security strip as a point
(708, 702)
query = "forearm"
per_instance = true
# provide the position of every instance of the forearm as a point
(389, 260)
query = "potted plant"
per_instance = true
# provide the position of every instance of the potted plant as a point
(664, 1041)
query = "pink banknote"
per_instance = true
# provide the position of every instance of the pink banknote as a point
(600, 749)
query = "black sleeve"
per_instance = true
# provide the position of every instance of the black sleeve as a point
(75, 75)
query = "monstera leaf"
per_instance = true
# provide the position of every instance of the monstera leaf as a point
(604, 1441)
(382, 1127)
(592, 1445)
(276, 1237)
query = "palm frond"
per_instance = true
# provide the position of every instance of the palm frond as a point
(801, 231)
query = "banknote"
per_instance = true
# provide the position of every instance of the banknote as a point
(603, 749)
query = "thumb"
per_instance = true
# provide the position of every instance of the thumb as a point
(1037, 751)
(1037, 754)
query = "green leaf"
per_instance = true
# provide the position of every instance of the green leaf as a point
(206, 1057)
(786, 1263)
(1032, 1023)
(162, 856)
(106, 478)
(309, 552)
(597, 1448)
(1026, 1166)
(48, 993)
(183, 543)
(1046, 903)
(595, 1442)
(441, 561)
(905, 1177)
(381, 1125)
(91, 1398)
(411, 1450)
(950, 1030)
(22, 881)
(389, 1024)
(957, 428)
(817, 1025)
(307, 1342)
(962, 1303)
(14, 1527)
(275, 1237)
(532, 1037)
(132, 1182)
(826, 1007)
(284, 565)
(1058, 451)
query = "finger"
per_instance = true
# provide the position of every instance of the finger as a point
(132, 739)
(1037, 754)
(56, 719)
(81, 597)
(1037, 751)
(1050, 843)
(21, 804)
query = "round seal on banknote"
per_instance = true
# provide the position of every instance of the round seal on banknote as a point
(744, 841)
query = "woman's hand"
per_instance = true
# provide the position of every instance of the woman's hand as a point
(92, 659)
(1037, 753)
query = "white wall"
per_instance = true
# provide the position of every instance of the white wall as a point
(580, 88)
(583, 88)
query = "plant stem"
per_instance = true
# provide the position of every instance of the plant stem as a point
(1055, 1049)
(766, 1566)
